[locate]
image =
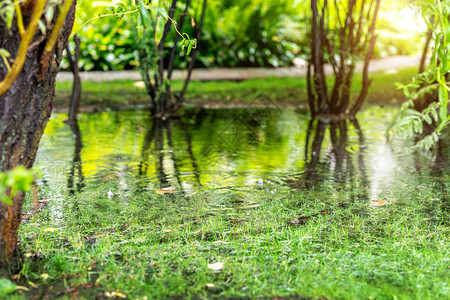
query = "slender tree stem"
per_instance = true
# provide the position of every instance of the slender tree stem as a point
(192, 61)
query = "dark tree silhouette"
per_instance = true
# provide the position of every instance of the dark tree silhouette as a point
(343, 168)
(165, 102)
(342, 45)
(160, 132)
(76, 89)
(75, 180)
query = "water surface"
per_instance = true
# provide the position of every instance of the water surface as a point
(226, 149)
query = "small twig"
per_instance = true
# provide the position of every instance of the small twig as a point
(19, 19)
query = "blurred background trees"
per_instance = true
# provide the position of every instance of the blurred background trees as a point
(245, 33)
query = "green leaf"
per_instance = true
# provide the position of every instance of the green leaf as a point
(160, 11)
(6, 200)
(9, 14)
(49, 15)
(443, 99)
(101, 3)
(42, 26)
(144, 14)
(406, 91)
(427, 119)
(399, 85)
(6, 287)
(5, 53)
(159, 30)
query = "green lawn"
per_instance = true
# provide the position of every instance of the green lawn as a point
(288, 91)
(148, 246)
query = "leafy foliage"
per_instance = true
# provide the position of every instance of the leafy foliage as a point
(110, 39)
(13, 182)
(433, 81)
(235, 33)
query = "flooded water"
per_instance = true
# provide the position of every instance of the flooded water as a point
(220, 149)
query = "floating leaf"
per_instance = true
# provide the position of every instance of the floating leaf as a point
(167, 190)
(376, 203)
(215, 266)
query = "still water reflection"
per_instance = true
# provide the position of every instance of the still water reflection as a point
(229, 148)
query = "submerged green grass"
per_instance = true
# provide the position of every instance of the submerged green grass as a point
(147, 246)
(286, 90)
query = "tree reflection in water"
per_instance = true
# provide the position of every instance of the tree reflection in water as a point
(75, 180)
(159, 147)
(339, 160)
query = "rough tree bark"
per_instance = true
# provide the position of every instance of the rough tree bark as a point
(24, 112)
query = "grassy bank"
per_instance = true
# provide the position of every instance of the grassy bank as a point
(142, 245)
(288, 91)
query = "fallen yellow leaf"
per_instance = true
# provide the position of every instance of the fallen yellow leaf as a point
(215, 266)
(115, 294)
(167, 190)
(45, 199)
(376, 203)
(109, 177)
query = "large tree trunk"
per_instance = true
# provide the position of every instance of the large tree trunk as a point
(24, 112)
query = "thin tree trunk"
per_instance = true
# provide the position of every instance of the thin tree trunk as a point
(425, 50)
(76, 89)
(366, 81)
(317, 61)
(191, 62)
(174, 48)
(163, 39)
(311, 97)
(175, 41)
(165, 97)
(24, 112)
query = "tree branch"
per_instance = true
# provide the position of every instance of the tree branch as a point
(192, 61)
(11, 76)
